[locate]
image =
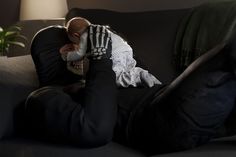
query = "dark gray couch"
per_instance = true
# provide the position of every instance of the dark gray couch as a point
(152, 36)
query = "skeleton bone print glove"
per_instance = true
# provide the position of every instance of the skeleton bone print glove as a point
(100, 40)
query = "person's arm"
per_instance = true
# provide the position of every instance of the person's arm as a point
(88, 121)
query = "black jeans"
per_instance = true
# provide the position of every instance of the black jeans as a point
(190, 115)
(53, 114)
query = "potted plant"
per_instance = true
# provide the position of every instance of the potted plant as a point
(8, 37)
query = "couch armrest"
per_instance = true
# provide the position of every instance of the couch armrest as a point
(17, 79)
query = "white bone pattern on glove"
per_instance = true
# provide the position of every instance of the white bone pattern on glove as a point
(100, 40)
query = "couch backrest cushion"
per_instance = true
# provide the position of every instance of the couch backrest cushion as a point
(151, 35)
(17, 79)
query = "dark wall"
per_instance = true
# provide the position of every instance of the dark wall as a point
(9, 9)
(9, 12)
(135, 5)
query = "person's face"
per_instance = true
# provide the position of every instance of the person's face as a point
(75, 38)
(80, 49)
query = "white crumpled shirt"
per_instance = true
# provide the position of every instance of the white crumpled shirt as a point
(124, 65)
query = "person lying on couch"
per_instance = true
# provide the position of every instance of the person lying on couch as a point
(185, 118)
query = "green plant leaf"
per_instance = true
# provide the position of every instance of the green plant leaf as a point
(10, 36)
(2, 34)
(17, 43)
(21, 36)
(11, 33)
(14, 28)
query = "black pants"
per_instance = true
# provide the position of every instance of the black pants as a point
(53, 114)
(190, 115)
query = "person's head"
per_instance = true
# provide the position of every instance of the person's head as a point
(76, 27)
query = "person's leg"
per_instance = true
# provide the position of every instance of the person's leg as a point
(52, 113)
(191, 114)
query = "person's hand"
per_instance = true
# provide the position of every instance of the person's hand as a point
(66, 48)
(100, 40)
(77, 64)
(76, 67)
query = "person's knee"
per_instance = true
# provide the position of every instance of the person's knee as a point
(34, 104)
(35, 108)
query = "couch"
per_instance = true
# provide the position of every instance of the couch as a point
(152, 36)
